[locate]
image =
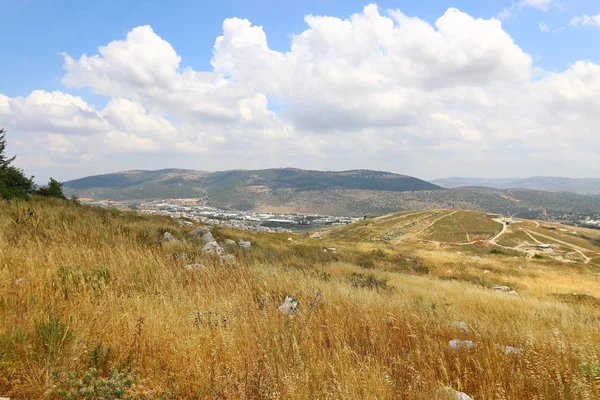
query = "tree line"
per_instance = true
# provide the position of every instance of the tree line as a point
(14, 184)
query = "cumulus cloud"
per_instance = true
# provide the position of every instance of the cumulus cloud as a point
(378, 89)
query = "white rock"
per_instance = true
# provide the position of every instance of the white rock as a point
(289, 306)
(509, 349)
(20, 281)
(167, 237)
(244, 245)
(460, 325)
(556, 332)
(447, 393)
(195, 267)
(512, 293)
(201, 231)
(229, 259)
(290, 239)
(230, 242)
(207, 238)
(456, 344)
(588, 292)
(501, 288)
(213, 248)
(330, 249)
(486, 271)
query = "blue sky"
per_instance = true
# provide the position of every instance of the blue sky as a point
(72, 120)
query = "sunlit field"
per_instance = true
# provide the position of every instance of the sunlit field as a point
(93, 301)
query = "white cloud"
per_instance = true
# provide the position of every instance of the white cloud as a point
(586, 20)
(543, 27)
(543, 5)
(375, 90)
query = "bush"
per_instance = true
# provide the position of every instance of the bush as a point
(94, 385)
(368, 281)
(50, 337)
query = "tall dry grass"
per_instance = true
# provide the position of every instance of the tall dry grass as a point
(88, 289)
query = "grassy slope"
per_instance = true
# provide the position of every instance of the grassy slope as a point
(217, 334)
(463, 226)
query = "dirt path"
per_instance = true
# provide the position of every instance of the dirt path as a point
(502, 232)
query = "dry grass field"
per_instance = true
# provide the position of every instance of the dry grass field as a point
(93, 305)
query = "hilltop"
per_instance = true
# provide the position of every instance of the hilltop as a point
(545, 183)
(407, 305)
(350, 193)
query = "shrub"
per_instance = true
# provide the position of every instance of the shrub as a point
(50, 337)
(92, 384)
(368, 281)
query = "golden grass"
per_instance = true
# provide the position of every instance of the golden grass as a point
(106, 279)
(463, 227)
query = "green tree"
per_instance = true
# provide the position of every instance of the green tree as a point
(13, 182)
(4, 160)
(53, 189)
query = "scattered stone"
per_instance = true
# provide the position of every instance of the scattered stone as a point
(290, 239)
(501, 288)
(512, 293)
(487, 271)
(4, 398)
(213, 248)
(201, 231)
(509, 349)
(460, 325)
(182, 222)
(447, 393)
(168, 237)
(556, 332)
(230, 242)
(330, 249)
(195, 267)
(20, 281)
(456, 344)
(207, 238)
(588, 292)
(289, 306)
(244, 245)
(229, 259)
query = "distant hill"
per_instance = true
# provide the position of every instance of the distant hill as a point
(352, 193)
(546, 183)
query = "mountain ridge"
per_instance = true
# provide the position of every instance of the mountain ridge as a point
(587, 186)
(344, 193)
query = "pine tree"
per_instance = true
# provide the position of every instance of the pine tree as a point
(53, 189)
(13, 183)
(4, 160)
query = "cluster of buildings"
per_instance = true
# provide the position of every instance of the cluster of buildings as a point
(578, 219)
(591, 222)
(243, 220)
